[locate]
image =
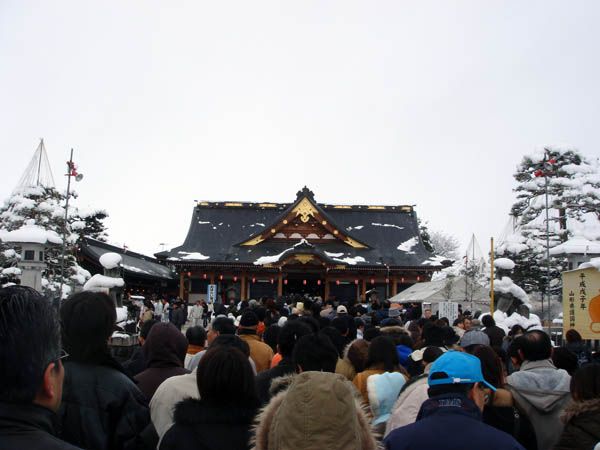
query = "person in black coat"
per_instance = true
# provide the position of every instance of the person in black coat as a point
(102, 408)
(286, 341)
(137, 363)
(222, 417)
(31, 371)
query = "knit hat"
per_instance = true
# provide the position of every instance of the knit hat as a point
(474, 337)
(249, 319)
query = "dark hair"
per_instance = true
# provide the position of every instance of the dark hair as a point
(430, 354)
(443, 389)
(311, 322)
(88, 320)
(573, 336)
(146, 327)
(289, 335)
(563, 358)
(443, 322)
(488, 321)
(271, 336)
(196, 336)
(340, 324)
(29, 341)
(371, 333)
(231, 341)
(338, 341)
(225, 377)
(585, 383)
(491, 364)
(433, 334)
(382, 352)
(357, 353)
(535, 345)
(315, 352)
(223, 325)
(516, 329)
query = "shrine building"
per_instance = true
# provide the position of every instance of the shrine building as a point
(341, 252)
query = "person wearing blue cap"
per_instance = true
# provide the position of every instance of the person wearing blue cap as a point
(451, 418)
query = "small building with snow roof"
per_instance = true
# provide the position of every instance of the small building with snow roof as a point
(304, 247)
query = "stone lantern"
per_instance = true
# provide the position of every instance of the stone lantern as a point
(33, 241)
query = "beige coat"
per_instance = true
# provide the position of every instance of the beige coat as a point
(260, 352)
(319, 410)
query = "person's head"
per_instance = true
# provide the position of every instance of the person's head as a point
(458, 373)
(357, 353)
(466, 323)
(87, 320)
(315, 352)
(271, 336)
(474, 337)
(513, 353)
(516, 331)
(225, 378)
(427, 314)
(430, 354)
(488, 321)
(30, 349)
(585, 383)
(341, 324)
(165, 346)
(433, 334)
(145, 329)
(371, 333)
(491, 364)
(382, 354)
(233, 341)
(535, 346)
(196, 336)
(563, 358)
(572, 336)
(248, 322)
(219, 326)
(289, 336)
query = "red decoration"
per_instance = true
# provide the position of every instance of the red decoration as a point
(272, 280)
(285, 281)
(418, 278)
(402, 279)
(204, 276)
(253, 280)
(387, 280)
(304, 282)
(234, 279)
(337, 282)
(355, 281)
(189, 274)
(538, 173)
(319, 282)
(552, 161)
(221, 277)
(372, 280)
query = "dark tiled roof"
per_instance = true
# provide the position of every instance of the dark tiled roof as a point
(134, 264)
(216, 229)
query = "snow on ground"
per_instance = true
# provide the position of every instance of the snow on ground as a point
(31, 233)
(407, 246)
(11, 271)
(100, 282)
(110, 260)
(504, 263)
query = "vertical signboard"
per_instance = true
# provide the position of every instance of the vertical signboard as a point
(211, 293)
(448, 310)
(581, 302)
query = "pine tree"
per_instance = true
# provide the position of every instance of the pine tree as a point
(573, 192)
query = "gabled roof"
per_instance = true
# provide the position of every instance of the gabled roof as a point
(134, 264)
(218, 231)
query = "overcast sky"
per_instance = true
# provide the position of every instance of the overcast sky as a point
(430, 103)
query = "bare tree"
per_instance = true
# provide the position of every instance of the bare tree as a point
(444, 244)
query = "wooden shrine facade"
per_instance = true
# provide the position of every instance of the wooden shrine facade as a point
(252, 250)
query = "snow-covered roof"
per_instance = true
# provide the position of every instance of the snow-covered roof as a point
(31, 233)
(450, 289)
(592, 263)
(577, 245)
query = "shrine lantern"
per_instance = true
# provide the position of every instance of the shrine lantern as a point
(318, 282)
(285, 281)
(387, 281)
(253, 280)
(272, 281)
(235, 279)
(221, 277)
(337, 282)
(304, 282)
(418, 278)
(372, 280)
(355, 281)
(402, 279)
(204, 276)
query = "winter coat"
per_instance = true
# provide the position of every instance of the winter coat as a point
(135, 364)
(344, 367)
(360, 382)
(165, 350)
(541, 392)
(319, 410)
(199, 426)
(408, 404)
(102, 408)
(263, 380)
(29, 427)
(582, 426)
(451, 422)
(582, 352)
(168, 394)
(260, 352)
(178, 317)
(383, 390)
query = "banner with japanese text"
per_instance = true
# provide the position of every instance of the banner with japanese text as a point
(581, 302)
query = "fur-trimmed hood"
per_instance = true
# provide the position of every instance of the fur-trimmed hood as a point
(576, 409)
(317, 410)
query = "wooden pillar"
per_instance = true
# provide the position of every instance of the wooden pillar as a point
(212, 278)
(243, 293)
(279, 284)
(181, 284)
(326, 295)
(394, 285)
(363, 290)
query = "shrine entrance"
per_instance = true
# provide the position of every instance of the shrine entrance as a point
(312, 284)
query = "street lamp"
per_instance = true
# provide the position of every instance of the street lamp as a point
(71, 172)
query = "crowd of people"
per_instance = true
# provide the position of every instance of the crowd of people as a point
(297, 374)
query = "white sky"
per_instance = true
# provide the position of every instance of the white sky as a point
(399, 102)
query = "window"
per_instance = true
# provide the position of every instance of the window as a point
(29, 255)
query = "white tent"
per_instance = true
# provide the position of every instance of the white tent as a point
(451, 289)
